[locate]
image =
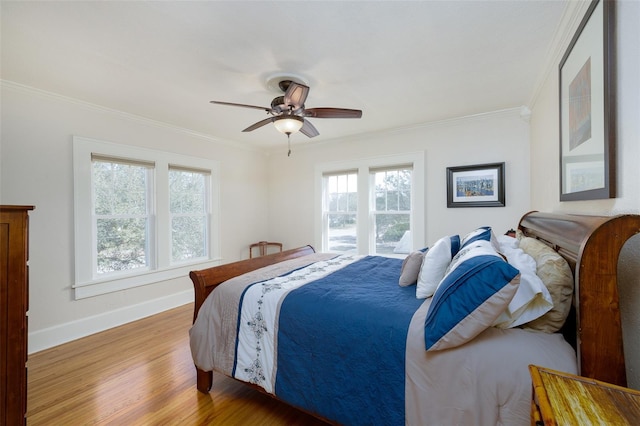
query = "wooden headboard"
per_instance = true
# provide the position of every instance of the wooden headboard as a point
(591, 245)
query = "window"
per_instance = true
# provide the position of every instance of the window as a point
(340, 212)
(188, 200)
(141, 216)
(391, 210)
(372, 206)
(121, 214)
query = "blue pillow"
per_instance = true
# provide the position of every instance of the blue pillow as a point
(475, 290)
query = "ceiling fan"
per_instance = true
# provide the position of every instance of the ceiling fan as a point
(288, 113)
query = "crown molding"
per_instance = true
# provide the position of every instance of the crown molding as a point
(520, 112)
(22, 88)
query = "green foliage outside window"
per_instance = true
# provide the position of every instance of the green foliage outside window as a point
(188, 214)
(393, 207)
(120, 209)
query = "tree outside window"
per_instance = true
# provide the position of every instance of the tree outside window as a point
(188, 199)
(341, 201)
(121, 210)
(392, 210)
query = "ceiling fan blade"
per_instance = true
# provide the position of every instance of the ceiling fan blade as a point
(309, 129)
(241, 105)
(295, 95)
(259, 124)
(333, 113)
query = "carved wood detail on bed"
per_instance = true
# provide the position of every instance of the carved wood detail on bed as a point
(591, 245)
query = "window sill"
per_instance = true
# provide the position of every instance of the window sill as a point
(118, 283)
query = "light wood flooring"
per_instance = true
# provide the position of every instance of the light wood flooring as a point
(142, 374)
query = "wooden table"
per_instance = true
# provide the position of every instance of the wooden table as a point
(565, 399)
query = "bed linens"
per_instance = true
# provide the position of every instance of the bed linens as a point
(349, 325)
(212, 337)
(258, 322)
(484, 381)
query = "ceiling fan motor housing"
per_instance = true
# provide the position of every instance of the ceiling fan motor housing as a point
(284, 85)
(277, 104)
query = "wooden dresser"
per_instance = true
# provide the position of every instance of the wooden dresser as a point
(565, 399)
(14, 304)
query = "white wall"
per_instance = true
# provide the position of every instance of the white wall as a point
(36, 169)
(545, 169)
(488, 138)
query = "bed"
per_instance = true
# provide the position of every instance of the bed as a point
(338, 337)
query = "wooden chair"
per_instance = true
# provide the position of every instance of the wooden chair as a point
(263, 247)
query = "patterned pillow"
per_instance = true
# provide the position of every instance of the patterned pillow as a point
(476, 289)
(410, 268)
(482, 233)
(435, 264)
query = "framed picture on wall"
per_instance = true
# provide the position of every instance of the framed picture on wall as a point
(481, 185)
(587, 108)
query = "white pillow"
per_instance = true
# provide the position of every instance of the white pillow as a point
(434, 265)
(532, 299)
(506, 242)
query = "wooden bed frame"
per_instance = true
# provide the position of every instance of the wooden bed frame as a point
(591, 245)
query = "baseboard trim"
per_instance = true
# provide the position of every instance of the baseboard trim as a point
(63, 333)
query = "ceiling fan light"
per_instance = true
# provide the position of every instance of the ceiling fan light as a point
(288, 124)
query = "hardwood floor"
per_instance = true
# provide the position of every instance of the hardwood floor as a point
(142, 374)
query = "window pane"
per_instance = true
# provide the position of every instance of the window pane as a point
(342, 202)
(333, 202)
(341, 192)
(119, 188)
(332, 184)
(393, 190)
(404, 180)
(187, 192)
(353, 202)
(381, 200)
(121, 216)
(121, 244)
(188, 237)
(404, 201)
(342, 233)
(342, 205)
(392, 200)
(390, 228)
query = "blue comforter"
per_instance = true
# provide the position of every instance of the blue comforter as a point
(344, 337)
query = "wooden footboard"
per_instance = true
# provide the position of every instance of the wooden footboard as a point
(205, 280)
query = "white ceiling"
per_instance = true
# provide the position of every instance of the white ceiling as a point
(403, 63)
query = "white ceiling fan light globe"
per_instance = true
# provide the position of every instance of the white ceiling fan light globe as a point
(288, 124)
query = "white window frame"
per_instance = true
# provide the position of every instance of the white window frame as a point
(87, 284)
(325, 209)
(366, 244)
(373, 212)
(150, 215)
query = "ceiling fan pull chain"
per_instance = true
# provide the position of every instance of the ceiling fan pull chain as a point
(289, 144)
